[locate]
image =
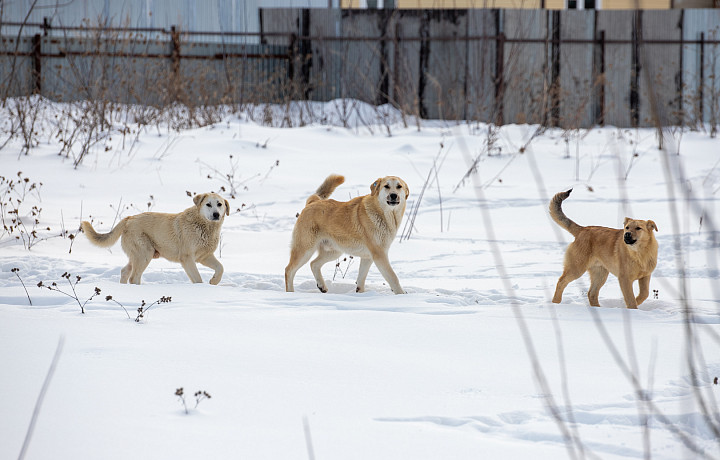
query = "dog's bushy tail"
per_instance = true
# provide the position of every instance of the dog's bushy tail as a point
(326, 188)
(559, 216)
(104, 240)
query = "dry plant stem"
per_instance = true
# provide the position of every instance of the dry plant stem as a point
(109, 298)
(16, 270)
(573, 443)
(542, 192)
(308, 438)
(433, 172)
(41, 398)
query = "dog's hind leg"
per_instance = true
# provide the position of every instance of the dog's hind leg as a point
(598, 276)
(569, 275)
(140, 251)
(139, 264)
(188, 263)
(324, 256)
(365, 264)
(298, 258)
(126, 272)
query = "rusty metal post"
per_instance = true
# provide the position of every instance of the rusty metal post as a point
(175, 64)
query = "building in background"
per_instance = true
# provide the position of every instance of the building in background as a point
(244, 15)
(530, 4)
(208, 15)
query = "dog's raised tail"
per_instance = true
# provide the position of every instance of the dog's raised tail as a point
(559, 216)
(326, 188)
(104, 240)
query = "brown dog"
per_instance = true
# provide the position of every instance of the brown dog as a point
(187, 237)
(629, 254)
(364, 226)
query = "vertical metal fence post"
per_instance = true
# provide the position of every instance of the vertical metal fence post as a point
(423, 59)
(36, 64)
(600, 78)
(175, 63)
(679, 84)
(701, 84)
(499, 77)
(636, 69)
(555, 71)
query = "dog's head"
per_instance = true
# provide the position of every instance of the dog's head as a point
(212, 206)
(638, 232)
(391, 191)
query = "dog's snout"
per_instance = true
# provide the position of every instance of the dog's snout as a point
(628, 238)
(393, 196)
(216, 215)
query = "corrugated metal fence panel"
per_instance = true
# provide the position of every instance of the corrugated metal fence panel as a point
(617, 25)
(526, 73)
(578, 81)
(361, 60)
(82, 68)
(406, 61)
(701, 65)
(327, 56)
(247, 73)
(660, 67)
(15, 71)
(480, 81)
(447, 65)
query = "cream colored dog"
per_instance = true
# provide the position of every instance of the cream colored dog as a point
(187, 237)
(629, 253)
(364, 227)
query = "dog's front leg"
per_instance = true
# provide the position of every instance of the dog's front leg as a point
(383, 264)
(211, 262)
(365, 264)
(644, 284)
(627, 290)
(188, 263)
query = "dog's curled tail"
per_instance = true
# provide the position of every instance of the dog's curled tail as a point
(326, 188)
(559, 216)
(104, 240)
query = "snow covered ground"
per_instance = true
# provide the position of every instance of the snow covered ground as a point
(474, 362)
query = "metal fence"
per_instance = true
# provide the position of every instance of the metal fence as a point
(149, 66)
(558, 68)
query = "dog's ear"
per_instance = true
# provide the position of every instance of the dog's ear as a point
(407, 189)
(625, 222)
(651, 226)
(227, 208)
(197, 199)
(375, 187)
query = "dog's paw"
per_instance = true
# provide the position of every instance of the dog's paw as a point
(359, 289)
(323, 289)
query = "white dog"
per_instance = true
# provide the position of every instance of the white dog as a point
(187, 237)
